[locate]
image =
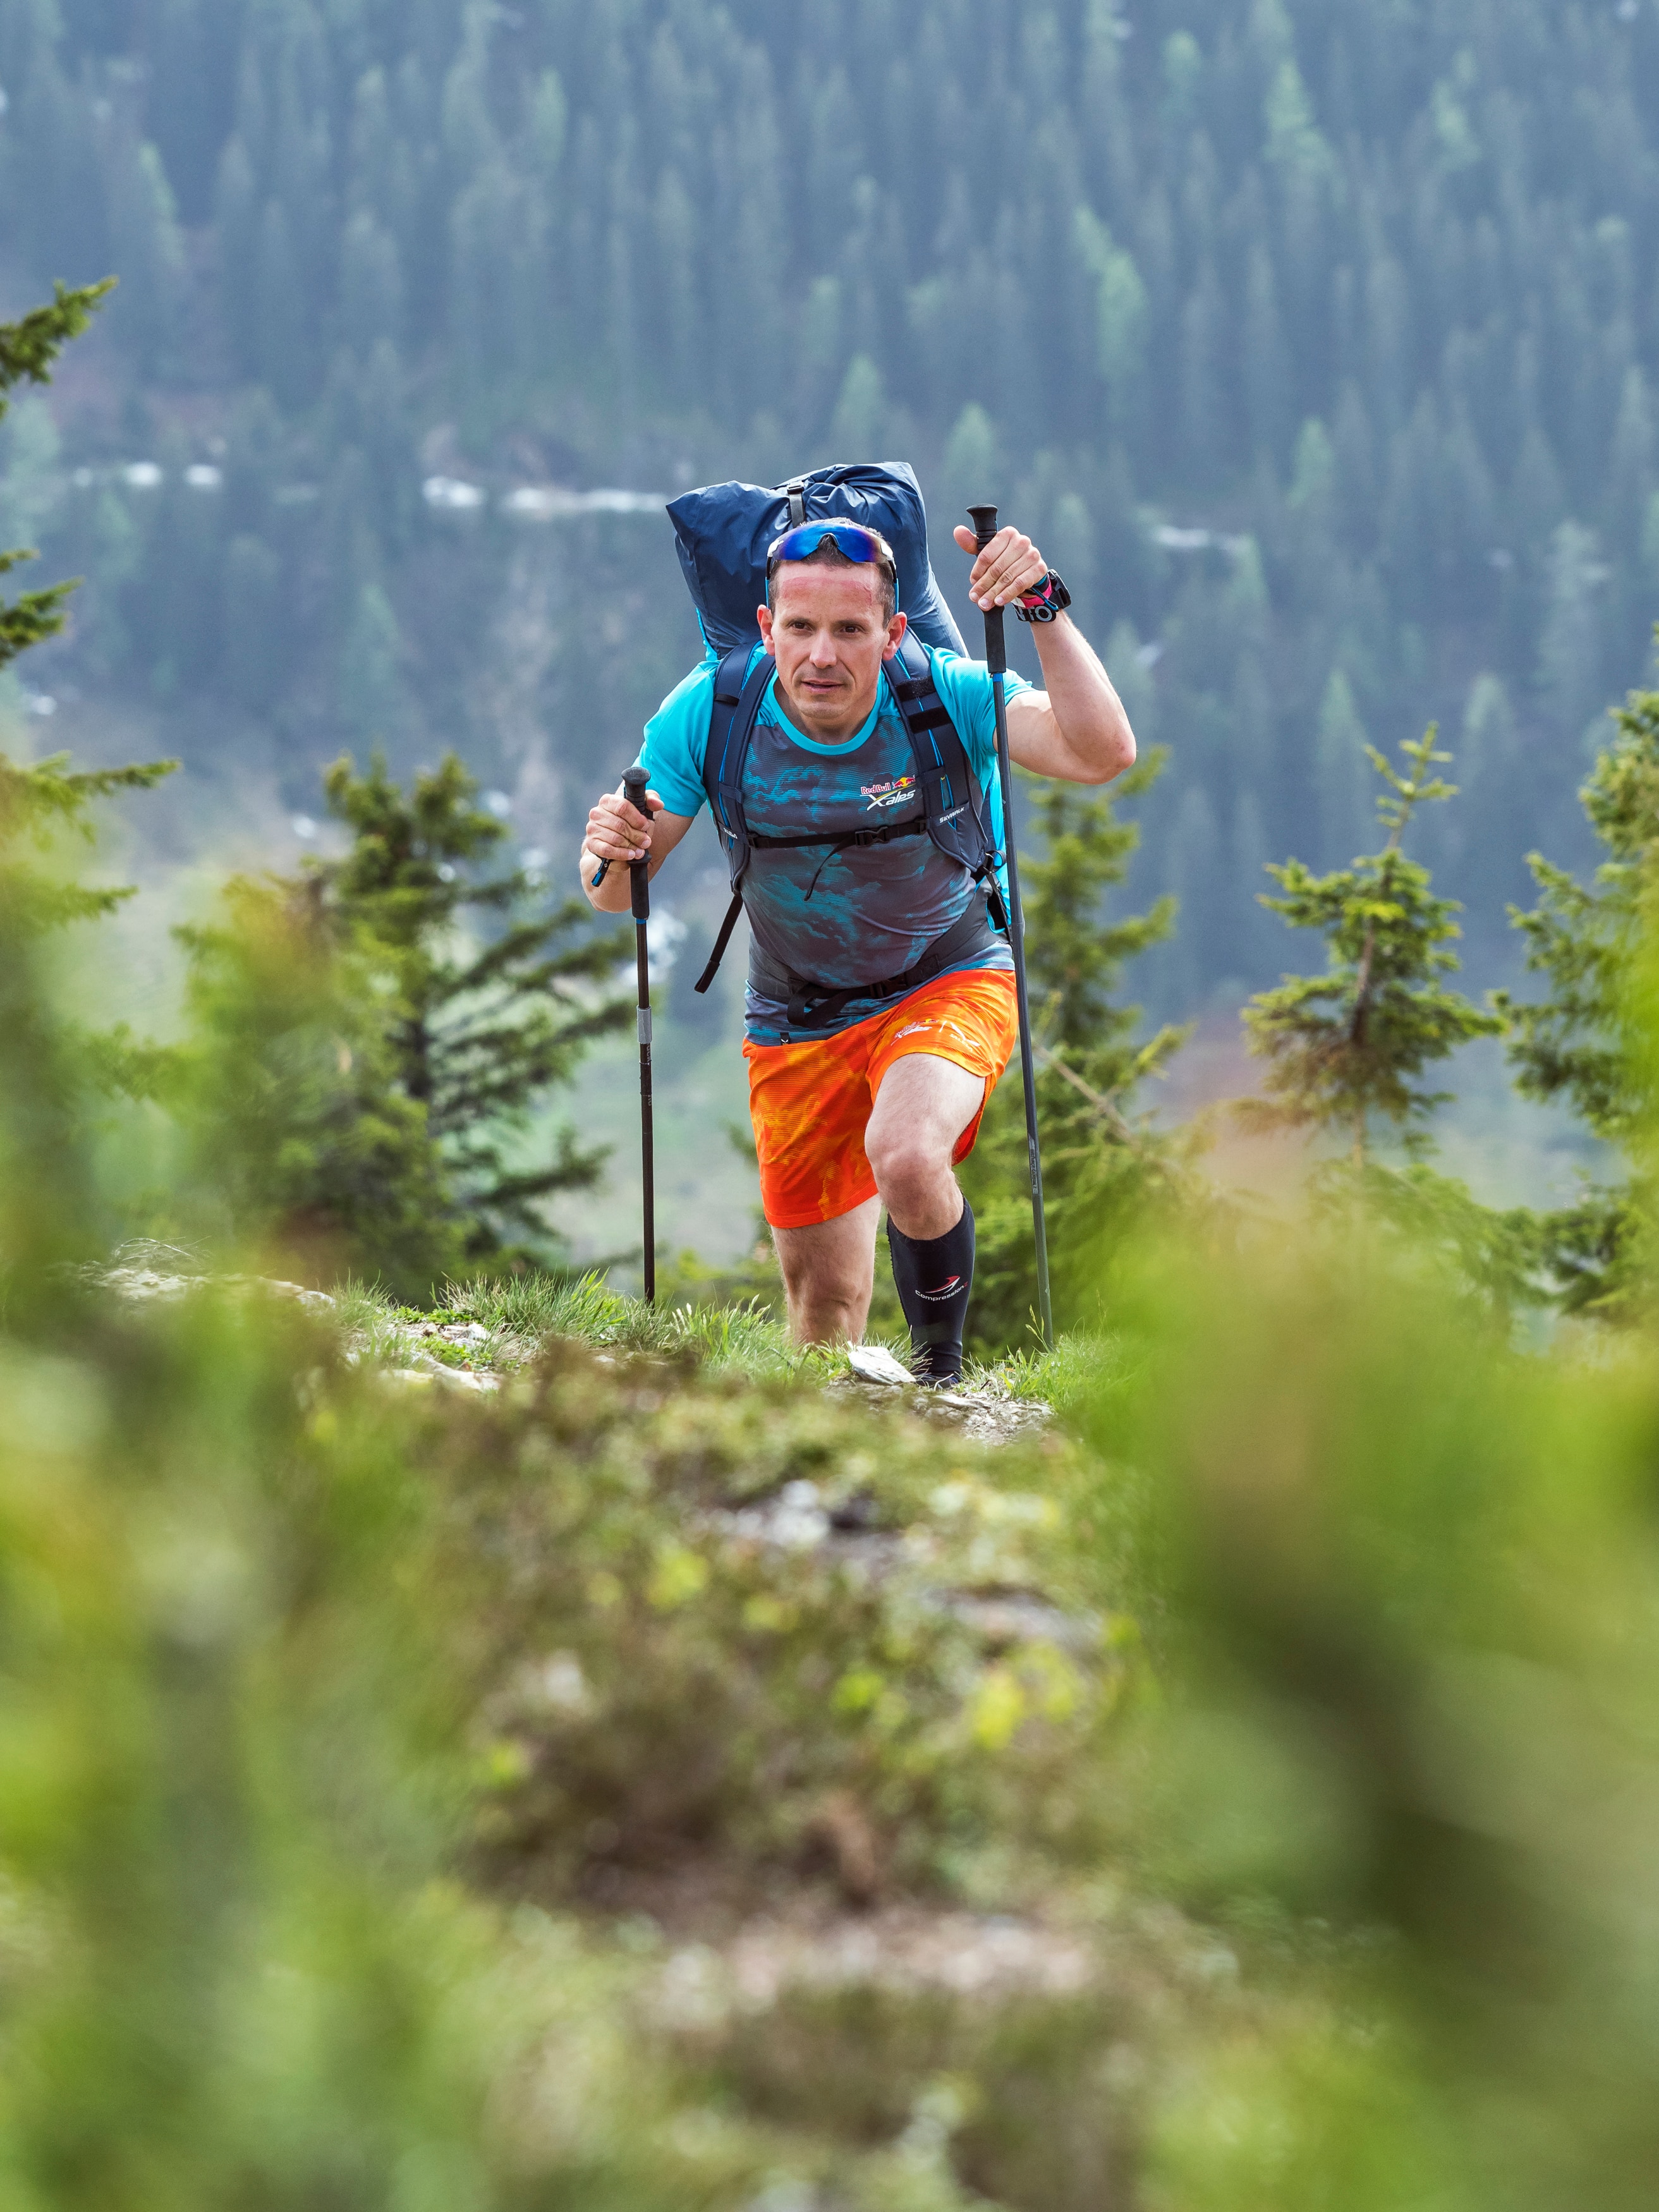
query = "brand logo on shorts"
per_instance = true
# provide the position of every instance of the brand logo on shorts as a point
(894, 792)
(945, 1290)
(916, 1028)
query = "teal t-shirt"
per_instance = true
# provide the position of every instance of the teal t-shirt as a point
(862, 914)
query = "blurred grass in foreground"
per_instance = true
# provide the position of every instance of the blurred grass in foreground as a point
(390, 1782)
(1406, 1608)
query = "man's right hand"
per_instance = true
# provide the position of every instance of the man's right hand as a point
(619, 832)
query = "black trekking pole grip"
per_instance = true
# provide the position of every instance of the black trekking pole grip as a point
(984, 519)
(996, 657)
(634, 781)
(639, 883)
(633, 786)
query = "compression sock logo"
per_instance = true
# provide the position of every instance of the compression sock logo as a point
(935, 1276)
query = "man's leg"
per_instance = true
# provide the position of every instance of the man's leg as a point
(923, 1106)
(829, 1273)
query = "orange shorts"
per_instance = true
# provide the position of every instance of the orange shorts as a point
(810, 1103)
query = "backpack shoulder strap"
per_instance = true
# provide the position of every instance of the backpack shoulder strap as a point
(737, 697)
(957, 820)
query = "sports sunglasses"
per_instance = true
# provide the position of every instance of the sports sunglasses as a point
(799, 544)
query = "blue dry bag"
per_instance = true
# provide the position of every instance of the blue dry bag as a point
(723, 531)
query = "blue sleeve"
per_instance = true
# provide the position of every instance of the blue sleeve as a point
(677, 738)
(964, 688)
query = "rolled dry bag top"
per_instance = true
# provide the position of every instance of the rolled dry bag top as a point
(723, 532)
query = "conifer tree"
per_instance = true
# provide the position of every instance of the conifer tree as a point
(48, 1067)
(1346, 1051)
(1580, 1044)
(1100, 1159)
(484, 1026)
(1347, 1048)
(28, 350)
(306, 1143)
(41, 801)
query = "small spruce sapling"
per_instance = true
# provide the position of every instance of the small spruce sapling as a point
(1583, 1043)
(1346, 1051)
(304, 1142)
(1099, 1159)
(487, 1024)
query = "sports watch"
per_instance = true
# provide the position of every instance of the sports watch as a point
(1045, 600)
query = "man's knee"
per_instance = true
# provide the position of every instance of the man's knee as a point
(904, 1160)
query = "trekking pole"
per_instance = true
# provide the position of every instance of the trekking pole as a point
(996, 658)
(638, 883)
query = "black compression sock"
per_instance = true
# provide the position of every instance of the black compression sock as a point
(935, 1276)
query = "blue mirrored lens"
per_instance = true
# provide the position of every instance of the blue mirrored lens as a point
(799, 544)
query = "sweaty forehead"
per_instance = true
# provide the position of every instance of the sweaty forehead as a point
(822, 593)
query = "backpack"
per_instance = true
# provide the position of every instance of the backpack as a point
(722, 534)
(722, 531)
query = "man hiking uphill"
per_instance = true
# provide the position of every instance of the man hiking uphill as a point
(881, 1005)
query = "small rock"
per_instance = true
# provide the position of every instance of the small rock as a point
(873, 1362)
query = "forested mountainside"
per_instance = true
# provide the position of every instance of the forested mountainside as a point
(1315, 342)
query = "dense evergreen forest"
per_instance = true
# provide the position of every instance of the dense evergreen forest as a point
(1317, 343)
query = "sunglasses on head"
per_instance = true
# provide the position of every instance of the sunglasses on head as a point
(799, 544)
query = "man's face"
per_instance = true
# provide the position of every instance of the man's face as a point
(827, 630)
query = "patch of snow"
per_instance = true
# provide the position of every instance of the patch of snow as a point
(452, 494)
(1175, 539)
(547, 502)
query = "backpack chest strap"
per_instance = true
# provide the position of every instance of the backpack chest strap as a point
(813, 1005)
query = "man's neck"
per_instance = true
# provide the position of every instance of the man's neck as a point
(830, 733)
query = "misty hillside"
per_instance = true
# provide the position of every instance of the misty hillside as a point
(1315, 342)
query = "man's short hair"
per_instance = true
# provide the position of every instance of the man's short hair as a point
(829, 555)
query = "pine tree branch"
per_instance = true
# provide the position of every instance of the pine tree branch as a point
(28, 348)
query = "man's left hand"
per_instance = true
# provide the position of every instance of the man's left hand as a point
(1008, 567)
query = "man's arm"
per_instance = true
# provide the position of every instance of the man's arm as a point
(1075, 729)
(619, 833)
